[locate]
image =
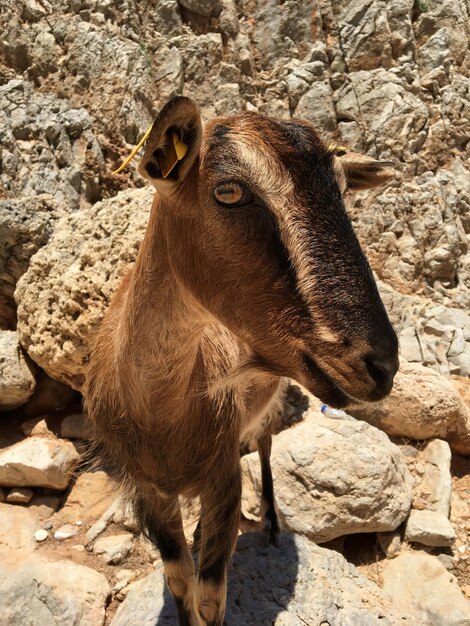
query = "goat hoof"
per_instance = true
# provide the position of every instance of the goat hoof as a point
(271, 533)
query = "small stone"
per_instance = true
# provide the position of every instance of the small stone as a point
(115, 548)
(20, 495)
(462, 549)
(390, 543)
(47, 525)
(429, 528)
(78, 522)
(41, 535)
(78, 547)
(447, 561)
(37, 427)
(65, 532)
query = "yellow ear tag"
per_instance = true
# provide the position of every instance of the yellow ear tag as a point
(176, 151)
(338, 150)
(134, 152)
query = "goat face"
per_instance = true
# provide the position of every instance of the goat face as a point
(261, 238)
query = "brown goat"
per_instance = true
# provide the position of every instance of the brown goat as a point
(249, 272)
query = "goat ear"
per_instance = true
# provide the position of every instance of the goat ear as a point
(172, 145)
(363, 172)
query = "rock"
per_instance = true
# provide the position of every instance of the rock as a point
(41, 535)
(332, 477)
(25, 226)
(423, 583)
(114, 548)
(300, 583)
(38, 427)
(75, 427)
(37, 462)
(49, 396)
(103, 522)
(65, 532)
(433, 489)
(82, 265)
(44, 506)
(20, 496)
(390, 543)
(16, 375)
(423, 404)
(18, 526)
(317, 106)
(429, 528)
(36, 591)
(203, 7)
(89, 497)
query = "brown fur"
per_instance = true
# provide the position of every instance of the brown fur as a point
(221, 305)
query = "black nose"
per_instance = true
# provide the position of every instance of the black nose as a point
(382, 369)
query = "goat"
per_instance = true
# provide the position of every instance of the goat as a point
(249, 272)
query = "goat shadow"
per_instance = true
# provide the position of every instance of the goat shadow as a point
(261, 582)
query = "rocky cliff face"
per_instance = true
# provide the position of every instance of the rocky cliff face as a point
(80, 82)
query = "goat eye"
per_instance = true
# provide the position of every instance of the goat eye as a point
(231, 194)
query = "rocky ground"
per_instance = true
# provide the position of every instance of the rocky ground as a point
(384, 492)
(363, 514)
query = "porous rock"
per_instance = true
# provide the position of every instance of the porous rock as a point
(82, 265)
(39, 592)
(299, 583)
(332, 477)
(38, 462)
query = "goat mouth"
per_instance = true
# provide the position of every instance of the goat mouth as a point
(323, 386)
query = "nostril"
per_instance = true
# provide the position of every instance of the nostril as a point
(381, 372)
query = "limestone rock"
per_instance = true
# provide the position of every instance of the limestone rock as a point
(332, 477)
(38, 462)
(44, 506)
(36, 591)
(429, 528)
(433, 489)
(114, 548)
(20, 495)
(89, 497)
(18, 526)
(16, 375)
(422, 405)
(299, 583)
(82, 265)
(25, 226)
(67, 531)
(423, 583)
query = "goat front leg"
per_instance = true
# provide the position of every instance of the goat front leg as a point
(220, 520)
(269, 517)
(160, 519)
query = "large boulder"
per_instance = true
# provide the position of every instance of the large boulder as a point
(63, 295)
(297, 584)
(423, 404)
(38, 592)
(17, 381)
(332, 477)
